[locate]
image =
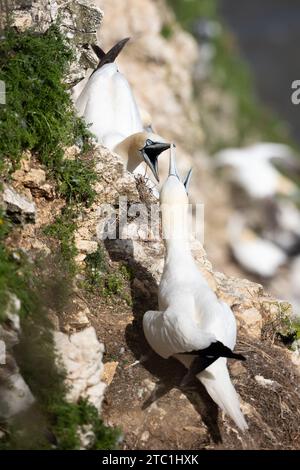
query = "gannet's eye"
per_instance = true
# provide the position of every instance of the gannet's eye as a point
(149, 142)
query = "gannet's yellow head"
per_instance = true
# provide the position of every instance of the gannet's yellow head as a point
(147, 146)
(174, 203)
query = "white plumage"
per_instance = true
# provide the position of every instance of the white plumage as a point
(255, 254)
(283, 228)
(106, 102)
(252, 168)
(108, 105)
(190, 316)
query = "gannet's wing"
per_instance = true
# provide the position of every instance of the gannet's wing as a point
(229, 330)
(110, 56)
(271, 150)
(282, 157)
(78, 89)
(127, 116)
(169, 334)
(108, 104)
(228, 156)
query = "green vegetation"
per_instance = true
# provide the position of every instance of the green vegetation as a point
(71, 417)
(106, 280)
(76, 179)
(166, 31)
(187, 11)
(14, 272)
(231, 73)
(113, 284)
(52, 422)
(296, 328)
(96, 268)
(63, 230)
(38, 115)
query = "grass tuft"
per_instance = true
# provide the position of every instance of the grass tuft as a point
(38, 115)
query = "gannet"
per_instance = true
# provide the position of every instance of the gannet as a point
(146, 120)
(141, 147)
(281, 225)
(107, 103)
(191, 325)
(77, 89)
(253, 253)
(252, 169)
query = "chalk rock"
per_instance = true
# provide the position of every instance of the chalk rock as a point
(15, 395)
(81, 354)
(18, 207)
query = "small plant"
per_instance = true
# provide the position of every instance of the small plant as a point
(76, 179)
(96, 267)
(296, 328)
(166, 31)
(63, 230)
(105, 280)
(127, 272)
(113, 284)
(72, 418)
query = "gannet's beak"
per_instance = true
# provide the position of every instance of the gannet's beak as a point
(172, 167)
(187, 180)
(150, 154)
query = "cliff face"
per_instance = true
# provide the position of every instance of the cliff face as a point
(144, 399)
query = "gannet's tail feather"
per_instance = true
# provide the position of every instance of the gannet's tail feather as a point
(110, 56)
(217, 382)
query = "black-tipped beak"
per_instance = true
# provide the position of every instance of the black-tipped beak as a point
(150, 154)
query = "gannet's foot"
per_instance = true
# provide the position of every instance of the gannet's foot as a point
(160, 390)
(187, 378)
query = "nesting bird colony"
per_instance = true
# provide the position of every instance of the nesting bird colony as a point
(192, 324)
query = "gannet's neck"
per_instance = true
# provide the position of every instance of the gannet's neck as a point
(178, 250)
(175, 224)
(128, 150)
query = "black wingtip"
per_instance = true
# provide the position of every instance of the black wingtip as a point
(110, 56)
(98, 51)
(206, 357)
(239, 357)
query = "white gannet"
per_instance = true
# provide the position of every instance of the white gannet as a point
(252, 168)
(77, 89)
(146, 120)
(282, 225)
(191, 325)
(253, 253)
(141, 147)
(107, 103)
